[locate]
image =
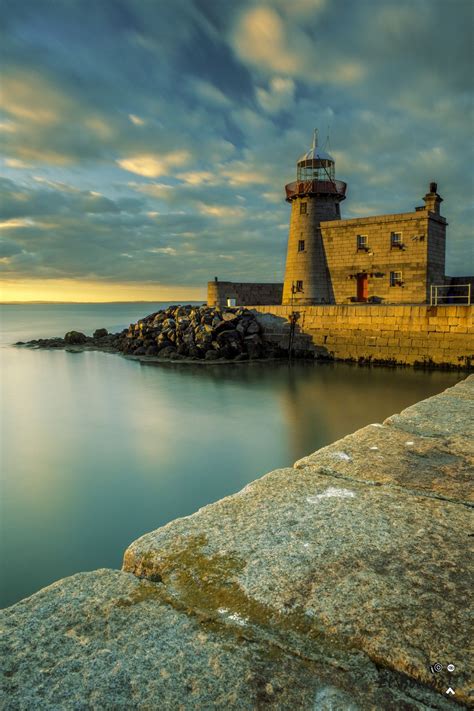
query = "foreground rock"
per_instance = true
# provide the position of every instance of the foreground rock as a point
(106, 640)
(185, 333)
(331, 585)
(360, 558)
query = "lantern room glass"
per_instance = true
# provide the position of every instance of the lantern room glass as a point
(315, 169)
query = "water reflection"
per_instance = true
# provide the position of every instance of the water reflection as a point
(98, 449)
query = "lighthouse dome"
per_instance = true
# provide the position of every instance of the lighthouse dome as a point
(316, 153)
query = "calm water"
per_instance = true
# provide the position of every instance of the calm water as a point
(97, 450)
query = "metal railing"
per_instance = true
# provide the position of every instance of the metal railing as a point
(300, 188)
(438, 297)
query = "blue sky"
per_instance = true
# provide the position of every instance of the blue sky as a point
(146, 144)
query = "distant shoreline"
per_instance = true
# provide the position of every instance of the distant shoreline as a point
(96, 303)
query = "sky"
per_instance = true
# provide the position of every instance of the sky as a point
(145, 144)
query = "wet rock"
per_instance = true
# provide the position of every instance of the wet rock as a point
(75, 338)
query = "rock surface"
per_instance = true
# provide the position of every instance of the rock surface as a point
(369, 558)
(331, 585)
(191, 333)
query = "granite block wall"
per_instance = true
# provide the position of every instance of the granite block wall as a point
(408, 334)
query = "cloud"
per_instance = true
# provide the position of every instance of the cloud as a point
(221, 210)
(136, 120)
(125, 132)
(16, 163)
(261, 39)
(15, 223)
(152, 165)
(279, 95)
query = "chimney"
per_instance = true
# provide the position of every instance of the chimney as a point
(432, 199)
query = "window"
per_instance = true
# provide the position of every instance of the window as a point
(396, 279)
(299, 286)
(362, 242)
(303, 208)
(396, 239)
(301, 245)
(338, 209)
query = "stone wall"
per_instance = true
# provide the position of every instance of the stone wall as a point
(244, 293)
(420, 259)
(409, 335)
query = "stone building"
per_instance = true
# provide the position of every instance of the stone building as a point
(389, 259)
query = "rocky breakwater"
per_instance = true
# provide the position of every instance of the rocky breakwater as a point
(199, 333)
(181, 333)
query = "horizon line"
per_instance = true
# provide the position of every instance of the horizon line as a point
(139, 301)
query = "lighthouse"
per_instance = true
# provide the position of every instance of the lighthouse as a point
(314, 197)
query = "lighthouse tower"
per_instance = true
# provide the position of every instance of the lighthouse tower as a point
(315, 197)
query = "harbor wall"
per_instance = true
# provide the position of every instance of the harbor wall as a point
(405, 335)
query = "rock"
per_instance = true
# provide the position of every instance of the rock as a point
(169, 323)
(253, 346)
(106, 640)
(211, 355)
(168, 352)
(151, 351)
(229, 315)
(75, 338)
(100, 333)
(342, 555)
(229, 343)
(223, 326)
(253, 327)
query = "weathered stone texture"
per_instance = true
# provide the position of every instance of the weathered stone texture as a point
(409, 335)
(244, 293)
(420, 258)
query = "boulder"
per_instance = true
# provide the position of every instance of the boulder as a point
(253, 327)
(168, 352)
(253, 346)
(75, 338)
(100, 333)
(211, 355)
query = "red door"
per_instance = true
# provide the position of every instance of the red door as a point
(362, 287)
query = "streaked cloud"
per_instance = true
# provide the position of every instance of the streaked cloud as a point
(152, 165)
(143, 150)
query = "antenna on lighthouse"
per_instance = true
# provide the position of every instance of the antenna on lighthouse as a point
(315, 138)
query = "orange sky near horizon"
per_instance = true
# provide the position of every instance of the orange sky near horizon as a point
(70, 290)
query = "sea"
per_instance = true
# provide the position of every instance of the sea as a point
(97, 450)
